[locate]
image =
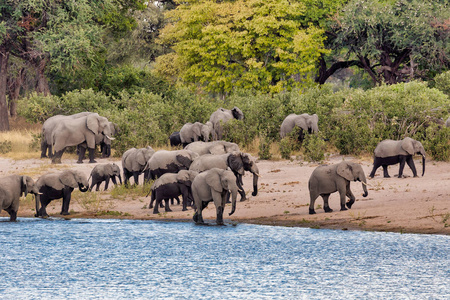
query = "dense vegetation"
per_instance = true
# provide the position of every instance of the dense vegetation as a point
(150, 69)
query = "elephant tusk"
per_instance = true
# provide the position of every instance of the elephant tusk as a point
(111, 138)
(257, 174)
(366, 184)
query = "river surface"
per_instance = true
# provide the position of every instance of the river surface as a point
(126, 259)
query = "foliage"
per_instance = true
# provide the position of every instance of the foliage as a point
(437, 142)
(315, 147)
(5, 147)
(393, 41)
(442, 82)
(264, 146)
(250, 44)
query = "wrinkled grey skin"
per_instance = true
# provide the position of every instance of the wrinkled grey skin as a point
(213, 185)
(11, 189)
(47, 131)
(250, 166)
(59, 185)
(232, 161)
(220, 117)
(134, 163)
(215, 147)
(175, 139)
(390, 152)
(73, 132)
(102, 140)
(447, 123)
(164, 161)
(325, 180)
(171, 185)
(193, 132)
(104, 172)
(308, 123)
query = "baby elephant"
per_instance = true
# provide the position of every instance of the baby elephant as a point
(104, 172)
(325, 180)
(171, 185)
(11, 189)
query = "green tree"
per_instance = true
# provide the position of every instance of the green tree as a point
(393, 41)
(251, 44)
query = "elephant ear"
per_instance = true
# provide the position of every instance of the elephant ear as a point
(92, 123)
(108, 170)
(345, 170)
(140, 157)
(234, 161)
(214, 181)
(197, 128)
(68, 178)
(184, 160)
(408, 145)
(237, 113)
(24, 185)
(183, 176)
(217, 149)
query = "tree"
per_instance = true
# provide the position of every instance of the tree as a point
(393, 41)
(252, 44)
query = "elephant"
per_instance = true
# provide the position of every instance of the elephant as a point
(175, 139)
(102, 140)
(47, 131)
(164, 161)
(250, 166)
(59, 185)
(390, 152)
(232, 161)
(72, 132)
(220, 117)
(328, 179)
(447, 123)
(134, 163)
(11, 189)
(215, 147)
(214, 185)
(193, 132)
(104, 172)
(306, 123)
(171, 185)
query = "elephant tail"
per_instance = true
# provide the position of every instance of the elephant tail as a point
(423, 165)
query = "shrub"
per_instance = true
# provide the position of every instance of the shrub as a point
(264, 146)
(315, 147)
(437, 142)
(5, 147)
(442, 82)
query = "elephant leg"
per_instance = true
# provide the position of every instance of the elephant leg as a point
(12, 214)
(376, 165)
(219, 217)
(81, 152)
(44, 147)
(146, 176)
(351, 196)
(97, 188)
(43, 211)
(66, 201)
(198, 218)
(326, 206)
(113, 179)
(56, 159)
(107, 182)
(385, 171)
(343, 193)
(410, 162)
(312, 199)
(402, 166)
(92, 186)
(167, 207)
(91, 155)
(136, 178)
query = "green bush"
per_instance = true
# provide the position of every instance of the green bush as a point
(315, 147)
(442, 82)
(437, 142)
(5, 147)
(264, 146)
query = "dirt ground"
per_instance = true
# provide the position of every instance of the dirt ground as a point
(408, 205)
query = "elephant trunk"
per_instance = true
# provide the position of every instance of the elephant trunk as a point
(37, 199)
(423, 164)
(255, 184)
(233, 201)
(120, 179)
(364, 185)
(82, 187)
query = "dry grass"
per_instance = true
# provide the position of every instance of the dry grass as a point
(21, 137)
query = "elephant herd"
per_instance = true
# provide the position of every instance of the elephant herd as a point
(201, 172)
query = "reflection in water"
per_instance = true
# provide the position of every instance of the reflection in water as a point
(122, 259)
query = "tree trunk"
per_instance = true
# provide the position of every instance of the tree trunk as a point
(14, 93)
(42, 83)
(4, 121)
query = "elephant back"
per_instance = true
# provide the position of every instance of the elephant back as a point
(389, 148)
(163, 180)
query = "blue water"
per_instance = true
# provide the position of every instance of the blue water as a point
(123, 259)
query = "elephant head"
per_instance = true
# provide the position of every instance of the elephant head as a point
(110, 170)
(206, 131)
(307, 122)
(220, 180)
(29, 186)
(250, 165)
(235, 163)
(186, 157)
(136, 159)
(412, 147)
(352, 172)
(100, 125)
(74, 179)
(237, 113)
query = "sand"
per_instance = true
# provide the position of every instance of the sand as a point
(407, 205)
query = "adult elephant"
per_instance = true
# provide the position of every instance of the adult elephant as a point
(193, 132)
(390, 152)
(104, 172)
(102, 140)
(56, 186)
(232, 161)
(215, 147)
(306, 123)
(325, 180)
(220, 117)
(134, 163)
(47, 131)
(250, 166)
(11, 189)
(72, 132)
(164, 161)
(214, 185)
(171, 185)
